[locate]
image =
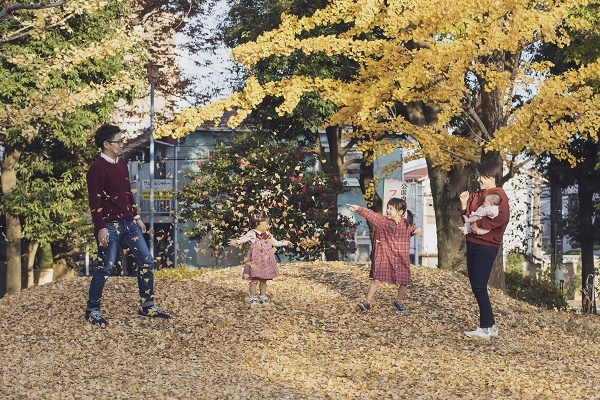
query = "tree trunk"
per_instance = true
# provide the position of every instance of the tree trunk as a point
(365, 179)
(334, 168)
(13, 224)
(445, 188)
(497, 276)
(63, 259)
(585, 192)
(31, 254)
(492, 116)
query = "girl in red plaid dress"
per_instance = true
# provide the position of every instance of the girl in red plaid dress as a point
(390, 261)
(260, 264)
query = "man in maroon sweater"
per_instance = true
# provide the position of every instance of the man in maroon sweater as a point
(116, 222)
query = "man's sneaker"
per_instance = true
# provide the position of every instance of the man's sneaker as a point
(478, 333)
(253, 301)
(95, 318)
(493, 331)
(264, 300)
(364, 305)
(399, 306)
(152, 312)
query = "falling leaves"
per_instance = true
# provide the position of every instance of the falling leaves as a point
(301, 204)
(312, 342)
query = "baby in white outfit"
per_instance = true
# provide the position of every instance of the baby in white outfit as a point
(489, 209)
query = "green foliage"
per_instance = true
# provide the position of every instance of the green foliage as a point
(44, 257)
(586, 46)
(539, 292)
(258, 171)
(514, 262)
(50, 193)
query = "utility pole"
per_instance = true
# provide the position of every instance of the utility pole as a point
(152, 73)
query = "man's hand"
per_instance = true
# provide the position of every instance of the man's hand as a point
(103, 237)
(141, 225)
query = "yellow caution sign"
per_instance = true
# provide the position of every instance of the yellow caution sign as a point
(158, 195)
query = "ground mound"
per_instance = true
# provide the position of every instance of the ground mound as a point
(311, 343)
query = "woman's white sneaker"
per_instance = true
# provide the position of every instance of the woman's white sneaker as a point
(479, 333)
(493, 331)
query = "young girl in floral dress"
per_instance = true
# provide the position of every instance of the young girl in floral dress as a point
(390, 261)
(260, 264)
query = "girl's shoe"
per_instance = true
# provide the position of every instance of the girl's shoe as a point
(264, 300)
(399, 306)
(253, 301)
(364, 305)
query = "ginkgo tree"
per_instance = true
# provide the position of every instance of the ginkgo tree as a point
(458, 79)
(266, 173)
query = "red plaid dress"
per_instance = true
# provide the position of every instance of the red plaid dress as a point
(260, 262)
(390, 260)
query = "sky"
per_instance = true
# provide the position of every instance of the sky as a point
(213, 75)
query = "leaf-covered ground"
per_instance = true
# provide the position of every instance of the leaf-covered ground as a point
(312, 343)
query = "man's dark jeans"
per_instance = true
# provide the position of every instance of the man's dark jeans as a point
(129, 236)
(480, 260)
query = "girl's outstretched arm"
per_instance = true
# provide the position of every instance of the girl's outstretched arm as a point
(352, 207)
(278, 243)
(248, 237)
(370, 215)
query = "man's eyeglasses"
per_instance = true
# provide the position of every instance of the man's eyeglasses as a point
(118, 142)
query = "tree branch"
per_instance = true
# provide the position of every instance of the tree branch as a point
(7, 12)
(27, 30)
(478, 121)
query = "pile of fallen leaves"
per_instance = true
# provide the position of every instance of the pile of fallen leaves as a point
(311, 343)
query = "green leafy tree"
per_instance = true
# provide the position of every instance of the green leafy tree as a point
(61, 71)
(259, 171)
(51, 201)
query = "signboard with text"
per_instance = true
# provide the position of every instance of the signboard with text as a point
(402, 190)
(163, 189)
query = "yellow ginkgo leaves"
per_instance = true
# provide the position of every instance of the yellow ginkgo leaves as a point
(430, 55)
(312, 342)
